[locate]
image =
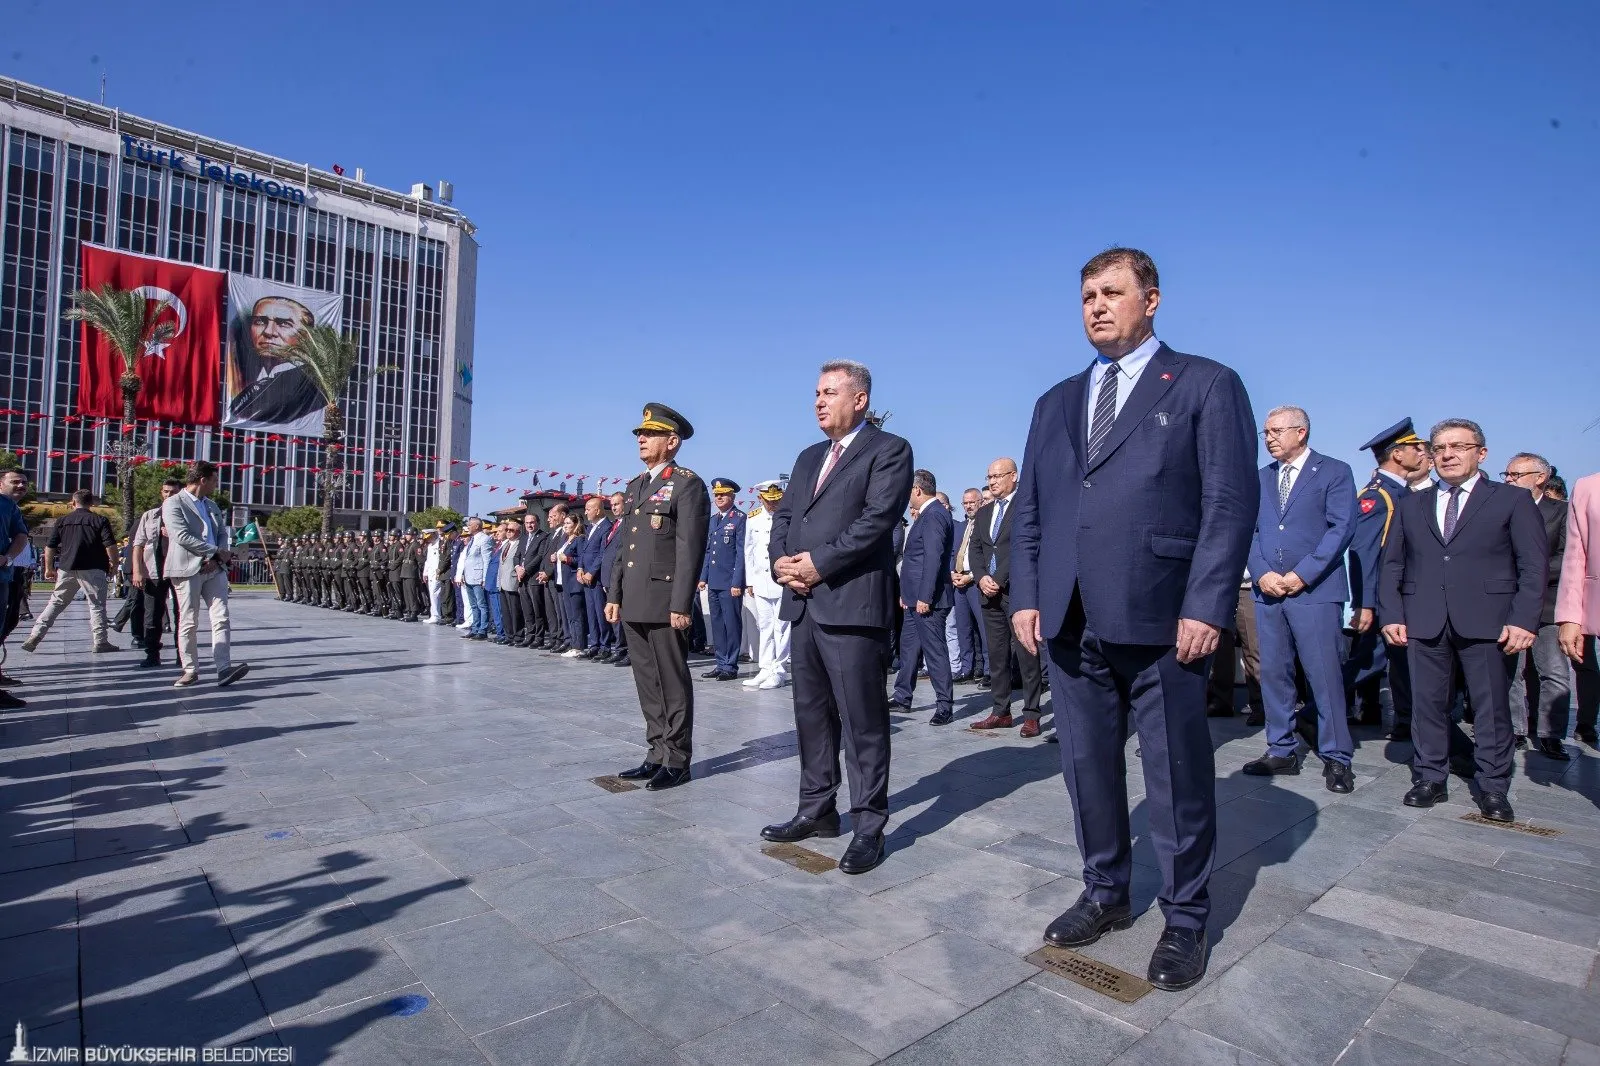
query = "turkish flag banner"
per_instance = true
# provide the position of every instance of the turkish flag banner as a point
(181, 375)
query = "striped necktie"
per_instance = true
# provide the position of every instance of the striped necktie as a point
(1105, 413)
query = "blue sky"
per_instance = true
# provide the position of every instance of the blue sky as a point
(1369, 209)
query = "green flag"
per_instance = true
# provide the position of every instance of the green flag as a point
(246, 534)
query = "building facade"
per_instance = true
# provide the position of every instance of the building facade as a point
(404, 268)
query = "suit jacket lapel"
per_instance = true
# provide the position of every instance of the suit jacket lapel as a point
(1476, 498)
(864, 438)
(1433, 513)
(1158, 376)
(1073, 399)
(1308, 472)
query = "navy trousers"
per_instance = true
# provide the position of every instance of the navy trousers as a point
(1487, 671)
(1100, 685)
(971, 639)
(922, 639)
(839, 674)
(727, 629)
(1287, 630)
(576, 617)
(594, 607)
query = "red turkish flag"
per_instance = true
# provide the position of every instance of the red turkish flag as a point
(180, 376)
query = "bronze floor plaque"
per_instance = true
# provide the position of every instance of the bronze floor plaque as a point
(812, 862)
(1091, 973)
(1521, 827)
(615, 784)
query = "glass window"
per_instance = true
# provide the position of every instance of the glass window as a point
(139, 217)
(186, 219)
(238, 231)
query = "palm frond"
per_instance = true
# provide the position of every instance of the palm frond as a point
(331, 359)
(125, 318)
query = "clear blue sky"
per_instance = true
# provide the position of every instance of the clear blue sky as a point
(1369, 209)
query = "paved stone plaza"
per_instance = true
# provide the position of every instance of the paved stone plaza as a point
(384, 816)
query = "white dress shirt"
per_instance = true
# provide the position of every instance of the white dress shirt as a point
(1296, 465)
(1443, 501)
(844, 443)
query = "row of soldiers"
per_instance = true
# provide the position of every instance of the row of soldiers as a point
(373, 574)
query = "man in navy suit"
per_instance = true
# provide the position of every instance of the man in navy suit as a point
(591, 550)
(832, 549)
(1132, 522)
(1304, 526)
(926, 597)
(1463, 582)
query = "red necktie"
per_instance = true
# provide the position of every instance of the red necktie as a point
(827, 470)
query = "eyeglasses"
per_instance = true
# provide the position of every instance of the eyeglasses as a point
(1269, 434)
(1454, 449)
(1512, 475)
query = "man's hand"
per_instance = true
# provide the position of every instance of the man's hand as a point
(519, 571)
(1025, 624)
(1291, 584)
(1271, 584)
(749, 590)
(458, 581)
(1514, 640)
(1571, 637)
(701, 586)
(613, 612)
(736, 592)
(1196, 639)
(922, 607)
(541, 577)
(797, 568)
(138, 581)
(681, 621)
(49, 575)
(989, 587)
(1395, 633)
(1363, 619)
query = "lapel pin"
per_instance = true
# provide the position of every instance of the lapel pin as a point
(1166, 377)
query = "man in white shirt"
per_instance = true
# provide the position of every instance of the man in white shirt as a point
(197, 564)
(764, 595)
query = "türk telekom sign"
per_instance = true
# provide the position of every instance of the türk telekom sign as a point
(200, 166)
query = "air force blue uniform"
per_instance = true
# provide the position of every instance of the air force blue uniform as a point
(1307, 538)
(722, 571)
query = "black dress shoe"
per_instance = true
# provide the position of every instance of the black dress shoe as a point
(802, 828)
(1273, 766)
(899, 705)
(1179, 959)
(605, 656)
(622, 660)
(1255, 720)
(1552, 748)
(711, 675)
(148, 664)
(644, 769)
(1219, 712)
(1085, 922)
(944, 717)
(1495, 807)
(1423, 794)
(1338, 776)
(864, 853)
(1400, 732)
(668, 777)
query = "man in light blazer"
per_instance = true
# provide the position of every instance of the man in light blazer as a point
(832, 549)
(1303, 527)
(197, 565)
(1462, 583)
(1578, 597)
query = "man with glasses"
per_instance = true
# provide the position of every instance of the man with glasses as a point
(1541, 692)
(1403, 465)
(1303, 527)
(1462, 586)
(990, 557)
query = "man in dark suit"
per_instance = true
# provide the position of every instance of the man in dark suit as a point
(970, 635)
(530, 553)
(991, 561)
(1541, 692)
(1306, 519)
(1463, 582)
(614, 640)
(1133, 517)
(832, 549)
(926, 599)
(667, 511)
(597, 516)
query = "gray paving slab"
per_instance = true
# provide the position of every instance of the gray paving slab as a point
(383, 811)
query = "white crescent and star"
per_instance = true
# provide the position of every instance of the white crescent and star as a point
(166, 299)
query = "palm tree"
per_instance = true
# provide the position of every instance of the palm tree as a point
(332, 360)
(126, 320)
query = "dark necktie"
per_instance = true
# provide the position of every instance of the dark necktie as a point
(1283, 487)
(1105, 413)
(994, 533)
(827, 470)
(1452, 512)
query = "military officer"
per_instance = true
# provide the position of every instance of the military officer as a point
(1402, 459)
(652, 591)
(389, 561)
(360, 568)
(348, 551)
(283, 569)
(764, 594)
(408, 592)
(323, 592)
(722, 577)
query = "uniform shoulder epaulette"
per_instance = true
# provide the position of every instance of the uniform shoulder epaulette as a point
(686, 472)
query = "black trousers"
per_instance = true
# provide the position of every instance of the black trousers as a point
(1588, 686)
(553, 616)
(412, 605)
(840, 673)
(1487, 672)
(511, 613)
(159, 599)
(533, 621)
(660, 658)
(1003, 650)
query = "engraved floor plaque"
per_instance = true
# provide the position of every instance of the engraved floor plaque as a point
(1091, 973)
(1521, 827)
(812, 862)
(615, 784)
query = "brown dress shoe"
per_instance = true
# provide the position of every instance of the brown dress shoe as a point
(1030, 729)
(994, 721)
